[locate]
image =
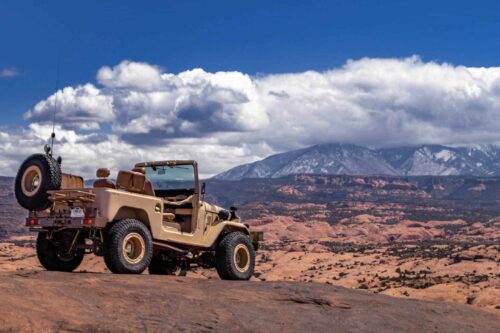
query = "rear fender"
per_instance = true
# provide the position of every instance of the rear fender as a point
(133, 213)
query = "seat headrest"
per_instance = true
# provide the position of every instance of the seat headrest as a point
(102, 173)
(139, 170)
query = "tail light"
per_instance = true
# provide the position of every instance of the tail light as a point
(87, 221)
(33, 222)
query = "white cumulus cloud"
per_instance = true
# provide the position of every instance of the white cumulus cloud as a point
(226, 118)
(83, 107)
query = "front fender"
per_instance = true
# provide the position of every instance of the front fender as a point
(222, 228)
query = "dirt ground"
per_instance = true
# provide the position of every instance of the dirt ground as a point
(439, 272)
(99, 302)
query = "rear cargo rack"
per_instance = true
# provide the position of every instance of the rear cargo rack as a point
(71, 196)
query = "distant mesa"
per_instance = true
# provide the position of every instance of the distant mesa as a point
(349, 159)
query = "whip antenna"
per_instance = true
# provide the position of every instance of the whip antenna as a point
(53, 135)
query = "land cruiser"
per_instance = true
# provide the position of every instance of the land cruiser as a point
(152, 217)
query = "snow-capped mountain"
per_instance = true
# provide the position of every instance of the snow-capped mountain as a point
(348, 159)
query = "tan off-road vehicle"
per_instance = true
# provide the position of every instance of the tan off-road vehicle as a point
(153, 216)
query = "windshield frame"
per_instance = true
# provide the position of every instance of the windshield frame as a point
(164, 193)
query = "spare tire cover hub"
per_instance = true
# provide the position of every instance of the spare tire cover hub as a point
(32, 179)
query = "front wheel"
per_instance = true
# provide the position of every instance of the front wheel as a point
(128, 247)
(235, 257)
(56, 254)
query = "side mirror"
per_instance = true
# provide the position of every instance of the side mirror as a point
(203, 187)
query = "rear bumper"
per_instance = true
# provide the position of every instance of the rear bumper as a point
(37, 223)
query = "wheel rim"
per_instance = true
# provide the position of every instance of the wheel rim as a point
(133, 248)
(241, 258)
(31, 181)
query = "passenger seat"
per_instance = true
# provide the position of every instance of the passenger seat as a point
(134, 181)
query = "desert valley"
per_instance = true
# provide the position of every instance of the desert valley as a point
(427, 237)
(368, 253)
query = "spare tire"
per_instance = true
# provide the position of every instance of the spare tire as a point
(38, 174)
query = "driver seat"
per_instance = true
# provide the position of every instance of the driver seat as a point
(134, 182)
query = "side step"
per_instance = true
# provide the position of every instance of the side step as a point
(185, 253)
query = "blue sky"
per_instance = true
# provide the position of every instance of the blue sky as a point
(252, 37)
(241, 80)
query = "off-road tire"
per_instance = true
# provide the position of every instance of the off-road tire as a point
(48, 256)
(114, 255)
(159, 267)
(225, 257)
(50, 177)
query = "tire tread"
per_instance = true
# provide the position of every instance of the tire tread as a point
(112, 247)
(48, 258)
(224, 256)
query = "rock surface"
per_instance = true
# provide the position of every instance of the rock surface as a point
(78, 302)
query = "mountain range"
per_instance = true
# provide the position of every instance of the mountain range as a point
(350, 159)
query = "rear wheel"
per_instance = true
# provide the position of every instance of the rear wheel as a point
(56, 254)
(128, 247)
(235, 257)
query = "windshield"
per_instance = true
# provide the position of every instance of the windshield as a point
(168, 178)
